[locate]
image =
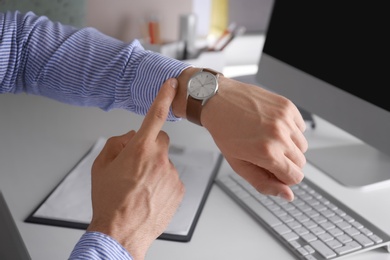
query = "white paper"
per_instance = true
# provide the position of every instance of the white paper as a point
(71, 200)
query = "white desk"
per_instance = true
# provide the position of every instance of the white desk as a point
(41, 139)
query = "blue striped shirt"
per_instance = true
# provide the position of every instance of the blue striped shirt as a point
(95, 245)
(81, 67)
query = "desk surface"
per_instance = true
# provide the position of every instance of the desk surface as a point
(41, 140)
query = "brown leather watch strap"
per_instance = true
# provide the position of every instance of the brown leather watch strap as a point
(194, 106)
(212, 71)
(194, 109)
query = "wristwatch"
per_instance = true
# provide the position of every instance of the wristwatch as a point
(201, 87)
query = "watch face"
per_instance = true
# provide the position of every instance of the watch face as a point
(203, 85)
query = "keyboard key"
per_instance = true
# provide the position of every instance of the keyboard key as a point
(318, 231)
(366, 231)
(351, 231)
(295, 244)
(344, 238)
(280, 213)
(328, 213)
(309, 237)
(349, 247)
(340, 212)
(376, 239)
(302, 251)
(323, 249)
(343, 225)
(335, 232)
(327, 225)
(320, 207)
(309, 249)
(302, 218)
(332, 206)
(325, 237)
(294, 224)
(286, 219)
(336, 219)
(282, 229)
(262, 212)
(310, 224)
(291, 236)
(334, 243)
(348, 218)
(312, 213)
(363, 240)
(357, 225)
(320, 219)
(301, 231)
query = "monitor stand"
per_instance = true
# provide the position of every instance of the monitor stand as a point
(355, 166)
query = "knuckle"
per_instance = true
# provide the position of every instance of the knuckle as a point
(263, 188)
(164, 137)
(302, 162)
(285, 103)
(268, 152)
(162, 160)
(112, 140)
(160, 113)
(141, 148)
(294, 177)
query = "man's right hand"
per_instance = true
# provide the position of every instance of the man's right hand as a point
(136, 189)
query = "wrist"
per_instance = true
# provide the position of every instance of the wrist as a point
(179, 104)
(135, 244)
(213, 110)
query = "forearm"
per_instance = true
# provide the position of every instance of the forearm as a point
(79, 66)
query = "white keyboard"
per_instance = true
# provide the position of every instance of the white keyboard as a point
(314, 226)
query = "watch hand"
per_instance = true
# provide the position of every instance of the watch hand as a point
(199, 81)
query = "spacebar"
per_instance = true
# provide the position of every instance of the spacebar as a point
(261, 211)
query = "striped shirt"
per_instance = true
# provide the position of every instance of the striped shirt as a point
(95, 245)
(81, 67)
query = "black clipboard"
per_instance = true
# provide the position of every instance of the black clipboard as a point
(168, 235)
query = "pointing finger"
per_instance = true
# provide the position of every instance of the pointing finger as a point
(158, 112)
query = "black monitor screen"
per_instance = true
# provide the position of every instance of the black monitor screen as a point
(343, 43)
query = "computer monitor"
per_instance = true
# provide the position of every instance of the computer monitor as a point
(331, 58)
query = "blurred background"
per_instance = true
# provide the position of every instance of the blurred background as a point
(127, 19)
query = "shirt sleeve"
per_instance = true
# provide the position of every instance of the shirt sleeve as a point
(79, 66)
(98, 246)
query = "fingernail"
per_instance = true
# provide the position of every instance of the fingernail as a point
(173, 83)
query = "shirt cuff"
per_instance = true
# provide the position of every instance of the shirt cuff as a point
(96, 246)
(152, 71)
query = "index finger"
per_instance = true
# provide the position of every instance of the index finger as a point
(158, 111)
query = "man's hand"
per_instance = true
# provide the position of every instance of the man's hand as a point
(135, 187)
(260, 134)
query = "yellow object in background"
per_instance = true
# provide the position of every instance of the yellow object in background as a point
(219, 19)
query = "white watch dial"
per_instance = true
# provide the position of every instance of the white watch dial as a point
(203, 85)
